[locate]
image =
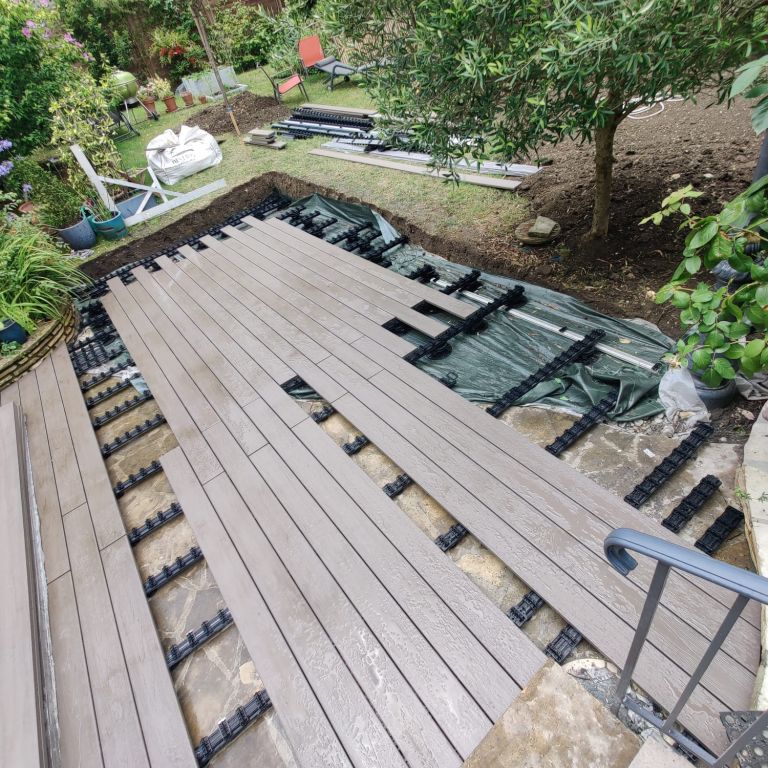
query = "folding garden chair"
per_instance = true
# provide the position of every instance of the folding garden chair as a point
(311, 55)
(279, 89)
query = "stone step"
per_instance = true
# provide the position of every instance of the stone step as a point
(656, 753)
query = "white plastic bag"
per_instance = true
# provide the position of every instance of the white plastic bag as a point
(172, 157)
(680, 399)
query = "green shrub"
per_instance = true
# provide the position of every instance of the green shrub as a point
(242, 36)
(36, 276)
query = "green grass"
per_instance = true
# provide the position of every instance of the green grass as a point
(463, 212)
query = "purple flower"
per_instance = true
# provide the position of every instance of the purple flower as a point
(6, 167)
(26, 31)
(43, 3)
(26, 190)
(68, 38)
(5, 144)
(31, 24)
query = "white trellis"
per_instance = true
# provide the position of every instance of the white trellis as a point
(170, 199)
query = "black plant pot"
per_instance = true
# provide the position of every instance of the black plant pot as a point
(11, 331)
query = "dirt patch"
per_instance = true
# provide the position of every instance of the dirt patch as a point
(250, 111)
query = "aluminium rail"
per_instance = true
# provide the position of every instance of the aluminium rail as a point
(747, 586)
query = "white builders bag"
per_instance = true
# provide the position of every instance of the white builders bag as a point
(173, 157)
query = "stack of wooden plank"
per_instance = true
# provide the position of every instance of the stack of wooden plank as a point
(263, 138)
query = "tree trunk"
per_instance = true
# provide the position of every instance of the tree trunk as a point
(603, 178)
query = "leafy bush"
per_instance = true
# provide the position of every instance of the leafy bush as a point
(59, 205)
(242, 35)
(159, 87)
(36, 277)
(177, 50)
(295, 21)
(752, 83)
(728, 326)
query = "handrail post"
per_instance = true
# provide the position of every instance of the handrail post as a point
(641, 633)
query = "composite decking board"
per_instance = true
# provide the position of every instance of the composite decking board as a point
(356, 294)
(511, 647)
(224, 404)
(352, 717)
(78, 732)
(232, 339)
(228, 376)
(478, 468)
(107, 521)
(449, 304)
(300, 712)
(120, 734)
(361, 314)
(538, 471)
(22, 724)
(233, 327)
(56, 559)
(470, 660)
(375, 692)
(702, 613)
(69, 484)
(186, 428)
(246, 302)
(656, 674)
(162, 723)
(300, 313)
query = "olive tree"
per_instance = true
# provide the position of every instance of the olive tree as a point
(495, 79)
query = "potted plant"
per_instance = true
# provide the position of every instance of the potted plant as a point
(60, 212)
(727, 325)
(105, 221)
(148, 97)
(189, 99)
(163, 90)
(202, 99)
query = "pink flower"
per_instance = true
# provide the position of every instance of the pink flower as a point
(44, 3)
(68, 38)
(26, 31)
(31, 24)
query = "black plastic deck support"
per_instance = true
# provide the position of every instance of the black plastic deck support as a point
(397, 486)
(360, 242)
(317, 229)
(137, 477)
(439, 346)
(138, 533)
(207, 630)
(562, 646)
(92, 355)
(136, 431)
(685, 451)
(324, 413)
(451, 537)
(468, 282)
(108, 374)
(424, 273)
(356, 445)
(682, 514)
(295, 383)
(103, 336)
(290, 213)
(396, 326)
(347, 233)
(124, 407)
(306, 218)
(170, 572)
(229, 729)
(376, 254)
(590, 419)
(526, 609)
(577, 351)
(717, 533)
(331, 118)
(105, 394)
(450, 379)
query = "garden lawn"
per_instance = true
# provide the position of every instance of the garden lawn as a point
(440, 208)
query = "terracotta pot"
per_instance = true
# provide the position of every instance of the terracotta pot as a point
(29, 208)
(189, 99)
(170, 104)
(149, 104)
(202, 99)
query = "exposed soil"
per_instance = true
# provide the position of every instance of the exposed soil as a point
(250, 111)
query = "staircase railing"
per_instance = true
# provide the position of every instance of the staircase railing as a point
(668, 556)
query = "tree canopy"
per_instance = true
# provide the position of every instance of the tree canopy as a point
(490, 78)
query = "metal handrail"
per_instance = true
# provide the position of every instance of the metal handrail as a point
(747, 586)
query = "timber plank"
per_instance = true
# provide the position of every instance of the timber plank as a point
(533, 479)
(655, 673)
(449, 304)
(78, 732)
(107, 521)
(56, 559)
(470, 661)
(69, 484)
(22, 718)
(224, 404)
(162, 724)
(184, 425)
(120, 733)
(357, 295)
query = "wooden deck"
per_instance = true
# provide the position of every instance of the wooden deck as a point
(375, 649)
(390, 652)
(114, 697)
